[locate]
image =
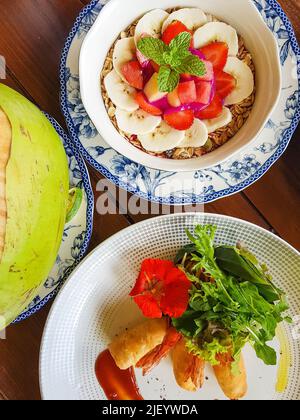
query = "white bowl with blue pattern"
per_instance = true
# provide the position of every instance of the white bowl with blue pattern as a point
(243, 16)
(175, 188)
(77, 232)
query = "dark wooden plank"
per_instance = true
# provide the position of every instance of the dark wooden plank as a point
(277, 194)
(32, 34)
(235, 206)
(19, 366)
(292, 9)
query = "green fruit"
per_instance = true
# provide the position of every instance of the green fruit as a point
(35, 190)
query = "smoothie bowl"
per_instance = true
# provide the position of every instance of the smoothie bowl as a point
(179, 87)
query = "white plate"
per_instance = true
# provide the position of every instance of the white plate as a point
(94, 306)
(174, 188)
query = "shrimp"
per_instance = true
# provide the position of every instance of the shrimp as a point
(155, 356)
(188, 369)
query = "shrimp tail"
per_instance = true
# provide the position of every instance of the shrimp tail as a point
(154, 357)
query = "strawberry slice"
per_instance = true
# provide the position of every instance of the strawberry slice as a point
(147, 106)
(133, 73)
(217, 54)
(212, 111)
(225, 84)
(174, 29)
(181, 120)
(187, 92)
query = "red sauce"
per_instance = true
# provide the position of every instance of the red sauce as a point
(116, 383)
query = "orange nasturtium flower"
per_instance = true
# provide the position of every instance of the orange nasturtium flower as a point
(161, 289)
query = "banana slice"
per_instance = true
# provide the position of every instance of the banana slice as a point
(221, 121)
(244, 80)
(125, 50)
(151, 24)
(217, 31)
(196, 136)
(192, 18)
(163, 138)
(136, 122)
(120, 93)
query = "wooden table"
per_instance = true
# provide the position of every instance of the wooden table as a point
(32, 34)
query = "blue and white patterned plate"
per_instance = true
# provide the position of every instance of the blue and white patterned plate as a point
(185, 188)
(77, 233)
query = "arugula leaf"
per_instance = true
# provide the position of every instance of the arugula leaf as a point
(204, 240)
(186, 324)
(188, 249)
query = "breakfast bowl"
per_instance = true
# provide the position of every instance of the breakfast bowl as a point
(193, 132)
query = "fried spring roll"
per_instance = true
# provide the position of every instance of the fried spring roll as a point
(131, 346)
(234, 387)
(188, 369)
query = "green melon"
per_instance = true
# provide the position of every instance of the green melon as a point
(34, 183)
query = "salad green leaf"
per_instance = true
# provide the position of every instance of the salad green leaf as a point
(242, 264)
(232, 302)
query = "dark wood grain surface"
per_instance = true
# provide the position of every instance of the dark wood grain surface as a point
(32, 35)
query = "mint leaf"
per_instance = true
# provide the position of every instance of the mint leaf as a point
(192, 65)
(154, 49)
(174, 59)
(182, 42)
(168, 79)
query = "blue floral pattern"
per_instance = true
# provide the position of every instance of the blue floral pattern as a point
(276, 25)
(83, 124)
(201, 186)
(76, 236)
(90, 18)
